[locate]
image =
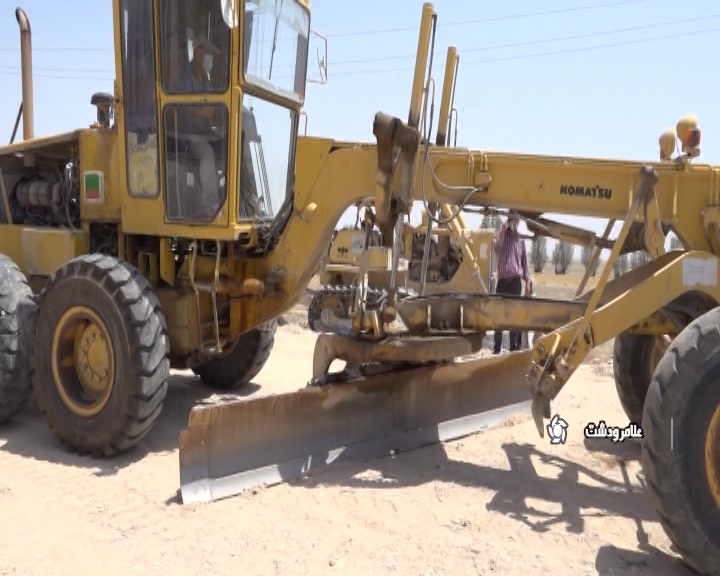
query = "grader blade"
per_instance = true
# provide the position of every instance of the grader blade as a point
(229, 448)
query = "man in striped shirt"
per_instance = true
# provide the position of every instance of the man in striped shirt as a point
(512, 271)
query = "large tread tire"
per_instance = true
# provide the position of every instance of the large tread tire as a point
(17, 307)
(343, 295)
(244, 360)
(682, 397)
(117, 292)
(633, 368)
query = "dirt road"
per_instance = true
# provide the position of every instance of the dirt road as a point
(500, 503)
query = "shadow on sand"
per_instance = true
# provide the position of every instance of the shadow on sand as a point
(29, 436)
(600, 497)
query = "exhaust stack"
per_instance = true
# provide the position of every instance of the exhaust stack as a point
(27, 76)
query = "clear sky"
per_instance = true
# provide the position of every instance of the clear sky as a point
(598, 78)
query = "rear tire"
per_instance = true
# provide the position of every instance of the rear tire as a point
(16, 331)
(242, 362)
(635, 357)
(681, 446)
(101, 355)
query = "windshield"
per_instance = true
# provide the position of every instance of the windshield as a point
(276, 46)
(267, 168)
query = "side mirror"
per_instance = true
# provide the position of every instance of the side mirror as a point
(322, 61)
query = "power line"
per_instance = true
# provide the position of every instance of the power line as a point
(84, 49)
(61, 77)
(411, 57)
(71, 70)
(43, 73)
(540, 41)
(519, 16)
(541, 54)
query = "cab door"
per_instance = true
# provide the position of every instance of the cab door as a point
(195, 62)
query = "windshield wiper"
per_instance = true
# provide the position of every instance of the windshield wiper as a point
(275, 36)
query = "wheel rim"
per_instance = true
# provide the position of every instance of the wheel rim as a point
(330, 302)
(83, 361)
(712, 455)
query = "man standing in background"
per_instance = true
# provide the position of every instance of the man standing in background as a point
(512, 271)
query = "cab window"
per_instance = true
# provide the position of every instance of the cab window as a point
(140, 103)
(195, 56)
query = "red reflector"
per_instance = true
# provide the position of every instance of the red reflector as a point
(692, 139)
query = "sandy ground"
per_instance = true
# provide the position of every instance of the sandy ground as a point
(504, 502)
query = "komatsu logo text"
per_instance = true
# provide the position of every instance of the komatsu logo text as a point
(586, 191)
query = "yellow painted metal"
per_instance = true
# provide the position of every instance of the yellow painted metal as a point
(451, 64)
(179, 310)
(712, 455)
(331, 176)
(421, 61)
(167, 262)
(532, 183)
(83, 361)
(45, 250)
(59, 145)
(474, 248)
(11, 243)
(334, 304)
(100, 153)
(653, 287)
(387, 412)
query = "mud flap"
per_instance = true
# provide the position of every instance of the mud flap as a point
(231, 447)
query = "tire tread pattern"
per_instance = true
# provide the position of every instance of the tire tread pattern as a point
(149, 348)
(667, 397)
(627, 353)
(17, 317)
(247, 358)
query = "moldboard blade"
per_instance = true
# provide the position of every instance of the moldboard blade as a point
(229, 448)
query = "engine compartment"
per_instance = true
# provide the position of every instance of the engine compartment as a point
(47, 195)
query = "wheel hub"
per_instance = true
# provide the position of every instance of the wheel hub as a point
(83, 361)
(92, 352)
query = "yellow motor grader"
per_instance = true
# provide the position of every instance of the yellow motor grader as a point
(460, 263)
(152, 242)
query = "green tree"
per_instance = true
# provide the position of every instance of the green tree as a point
(621, 265)
(538, 254)
(562, 256)
(491, 221)
(638, 259)
(585, 257)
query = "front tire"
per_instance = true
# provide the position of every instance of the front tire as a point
(635, 357)
(17, 307)
(681, 446)
(242, 362)
(101, 355)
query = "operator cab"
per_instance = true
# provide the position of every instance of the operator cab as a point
(180, 132)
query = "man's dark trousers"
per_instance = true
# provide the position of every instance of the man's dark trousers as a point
(509, 286)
